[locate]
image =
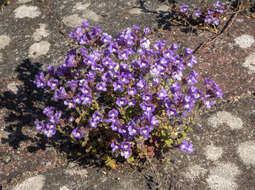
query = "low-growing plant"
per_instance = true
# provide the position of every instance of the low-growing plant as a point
(203, 18)
(124, 96)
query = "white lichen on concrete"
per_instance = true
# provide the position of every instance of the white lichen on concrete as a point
(78, 172)
(80, 6)
(38, 49)
(73, 20)
(4, 41)
(213, 152)
(40, 32)
(223, 117)
(24, 11)
(194, 172)
(250, 63)
(163, 8)
(1, 57)
(35, 183)
(24, 1)
(13, 87)
(223, 176)
(64, 188)
(244, 41)
(135, 11)
(91, 15)
(246, 151)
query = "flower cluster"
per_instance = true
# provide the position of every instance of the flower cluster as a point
(124, 90)
(200, 16)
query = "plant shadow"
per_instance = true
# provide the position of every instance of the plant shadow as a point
(24, 108)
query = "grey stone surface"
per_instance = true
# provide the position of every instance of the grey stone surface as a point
(35, 183)
(250, 63)
(27, 11)
(244, 41)
(4, 41)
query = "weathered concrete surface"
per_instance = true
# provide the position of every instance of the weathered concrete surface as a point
(222, 138)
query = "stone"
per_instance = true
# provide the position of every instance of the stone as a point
(4, 41)
(35, 183)
(80, 6)
(24, 11)
(24, 1)
(91, 15)
(1, 57)
(194, 172)
(250, 63)
(223, 176)
(13, 87)
(73, 20)
(162, 8)
(77, 172)
(38, 49)
(246, 151)
(222, 117)
(135, 11)
(64, 188)
(213, 153)
(244, 41)
(40, 32)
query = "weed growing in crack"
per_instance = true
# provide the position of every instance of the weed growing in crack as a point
(124, 97)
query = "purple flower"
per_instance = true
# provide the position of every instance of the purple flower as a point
(40, 80)
(71, 119)
(184, 8)
(177, 75)
(123, 55)
(50, 70)
(53, 83)
(162, 94)
(145, 131)
(114, 126)
(121, 102)
(175, 87)
(208, 103)
(132, 130)
(85, 24)
(117, 86)
(156, 81)
(114, 146)
(141, 84)
(125, 145)
(217, 92)
(186, 146)
(39, 125)
(174, 47)
(191, 80)
(97, 117)
(188, 51)
(146, 97)
(131, 102)
(60, 93)
(153, 121)
(208, 19)
(69, 103)
(132, 92)
(48, 111)
(123, 79)
(147, 108)
(216, 21)
(55, 118)
(77, 133)
(126, 153)
(49, 132)
(85, 90)
(106, 38)
(143, 64)
(155, 70)
(101, 86)
(197, 13)
(113, 113)
(50, 126)
(145, 43)
(146, 31)
(76, 100)
(87, 99)
(171, 112)
(191, 61)
(92, 123)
